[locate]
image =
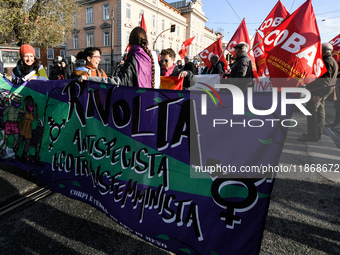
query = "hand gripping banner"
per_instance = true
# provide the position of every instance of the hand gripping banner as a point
(149, 159)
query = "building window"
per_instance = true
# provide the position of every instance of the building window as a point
(89, 15)
(106, 38)
(154, 21)
(75, 20)
(177, 31)
(170, 46)
(50, 53)
(75, 42)
(128, 32)
(106, 11)
(128, 11)
(106, 64)
(163, 45)
(140, 16)
(89, 39)
(163, 24)
(62, 53)
(184, 34)
(37, 52)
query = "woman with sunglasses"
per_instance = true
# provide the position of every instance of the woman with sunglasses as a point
(168, 68)
(139, 68)
(92, 57)
(28, 67)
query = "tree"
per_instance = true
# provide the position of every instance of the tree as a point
(44, 23)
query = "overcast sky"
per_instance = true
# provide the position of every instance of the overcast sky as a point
(226, 15)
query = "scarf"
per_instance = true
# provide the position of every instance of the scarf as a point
(167, 72)
(143, 66)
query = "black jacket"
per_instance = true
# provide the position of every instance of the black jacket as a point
(66, 72)
(190, 67)
(327, 79)
(217, 69)
(241, 73)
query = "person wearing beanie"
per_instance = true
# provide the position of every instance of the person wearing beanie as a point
(28, 67)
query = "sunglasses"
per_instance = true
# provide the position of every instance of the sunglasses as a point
(164, 60)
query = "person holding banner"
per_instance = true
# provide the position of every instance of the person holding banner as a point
(139, 68)
(320, 90)
(168, 68)
(92, 57)
(28, 67)
(241, 73)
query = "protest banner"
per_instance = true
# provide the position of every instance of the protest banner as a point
(150, 159)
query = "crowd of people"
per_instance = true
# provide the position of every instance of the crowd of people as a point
(142, 68)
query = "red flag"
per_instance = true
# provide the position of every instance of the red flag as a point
(260, 56)
(143, 24)
(336, 43)
(274, 18)
(183, 52)
(294, 50)
(213, 49)
(171, 82)
(241, 36)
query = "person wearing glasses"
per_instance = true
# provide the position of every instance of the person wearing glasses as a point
(28, 67)
(138, 69)
(92, 57)
(168, 68)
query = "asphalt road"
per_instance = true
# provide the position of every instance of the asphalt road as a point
(303, 218)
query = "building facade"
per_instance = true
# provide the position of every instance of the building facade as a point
(102, 19)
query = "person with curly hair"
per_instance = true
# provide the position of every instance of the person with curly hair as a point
(28, 67)
(139, 68)
(92, 58)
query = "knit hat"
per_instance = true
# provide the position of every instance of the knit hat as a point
(26, 48)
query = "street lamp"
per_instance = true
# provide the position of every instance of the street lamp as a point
(112, 29)
(172, 29)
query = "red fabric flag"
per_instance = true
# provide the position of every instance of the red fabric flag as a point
(183, 52)
(171, 82)
(213, 49)
(260, 56)
(143, 24)
(241, 36)
(294, 50)
(336, 43)
(274, 18)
